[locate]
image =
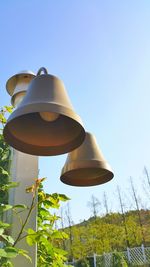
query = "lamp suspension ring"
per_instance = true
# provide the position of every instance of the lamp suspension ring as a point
(42, 69)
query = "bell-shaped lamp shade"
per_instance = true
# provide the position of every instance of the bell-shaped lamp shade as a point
(86, 166)
(45, 123)
(17, 85)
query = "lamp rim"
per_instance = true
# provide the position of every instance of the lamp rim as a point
(22, 111)
(82, 164)
(11, 82)
(42, 150)
(74, 166)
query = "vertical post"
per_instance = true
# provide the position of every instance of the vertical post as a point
(73, 261)
(128, 255)
(94, 258)
(23, 170)
(143, 253)
(104, 259)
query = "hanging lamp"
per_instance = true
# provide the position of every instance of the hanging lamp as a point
(17, 86)
(44, 122)
(86, 165)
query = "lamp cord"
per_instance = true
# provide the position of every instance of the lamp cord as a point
(42, 69)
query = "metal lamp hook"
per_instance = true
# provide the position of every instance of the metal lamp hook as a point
(42, 69)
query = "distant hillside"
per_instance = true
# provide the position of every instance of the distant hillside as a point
(106, 233)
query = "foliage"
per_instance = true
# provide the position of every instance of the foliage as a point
(47, 238)
(118, 260)
(49, 253)
(82, 263)
(107, 233)
(5, 154)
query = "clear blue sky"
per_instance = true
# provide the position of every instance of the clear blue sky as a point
(101, 50)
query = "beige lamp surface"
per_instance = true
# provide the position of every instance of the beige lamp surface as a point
(45, 122)
(17, 85)
(86, 166)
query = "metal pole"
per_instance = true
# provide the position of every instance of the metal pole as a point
(94, 257)
(143, 253)
(128, 254)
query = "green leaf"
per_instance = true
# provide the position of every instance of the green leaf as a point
(30, 240)
(2, 118)
(11, 252)
(6, 154)
(47, 204)
(59, 234)
(63, 197)
(3, 172)
(64, 235)
(8, 252)
(1, 231)
(10, 185)
(54, 196)
(41, 196)
(20, 206)
(42, 259)
(8, 238)
(7, 264)
(43, 212)
(31, 237)
(9, 109)
(5, 207)
(30, 231)
(51, 204)
(3, 253)
(25, 254)
(60, 251)
(4, 225)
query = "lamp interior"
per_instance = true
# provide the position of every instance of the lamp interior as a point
(31, 134)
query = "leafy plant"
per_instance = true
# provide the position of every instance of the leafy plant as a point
(118, 260)
(82, 263)
(5, 159)
(46, 236)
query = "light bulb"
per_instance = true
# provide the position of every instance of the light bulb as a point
(49, 116)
